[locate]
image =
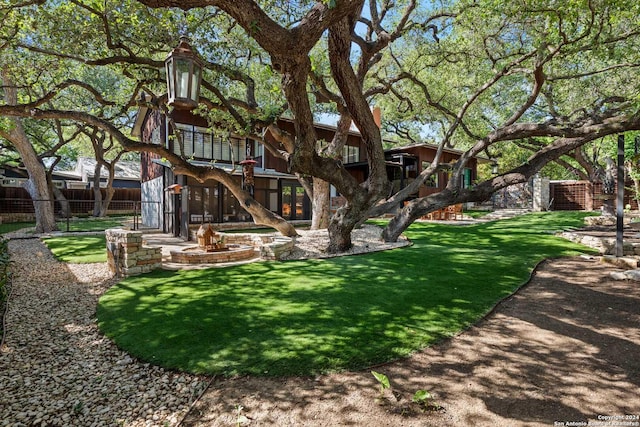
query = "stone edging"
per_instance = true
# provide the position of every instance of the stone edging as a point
(606, 245)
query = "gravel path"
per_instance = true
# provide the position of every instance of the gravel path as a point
(56, 369)
(368, 238)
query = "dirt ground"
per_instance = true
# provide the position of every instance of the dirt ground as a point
(564, 350)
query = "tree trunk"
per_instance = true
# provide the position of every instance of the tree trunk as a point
(65, 209)
(340, 232)
(361, 197)
(97, 194)
(263, 216)
(42, 202)
(104, 206)
(322, 188)
(321, 204)
(101, 204)
(400, 222)
(342, 224)
(37, 185)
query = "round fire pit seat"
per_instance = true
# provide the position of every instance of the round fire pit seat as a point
(197, 255)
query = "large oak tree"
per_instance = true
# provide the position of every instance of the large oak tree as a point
(474, 75)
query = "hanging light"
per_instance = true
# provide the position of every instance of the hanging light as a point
(184, 74)
(494, 168)
(174, 188)
(248, 166)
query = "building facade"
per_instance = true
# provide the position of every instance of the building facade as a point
(276, 189)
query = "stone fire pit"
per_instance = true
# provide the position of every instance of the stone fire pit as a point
(199, 255)
(212, 249)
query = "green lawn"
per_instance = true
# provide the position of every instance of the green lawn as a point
(75, 224)
(78, 249)
(81, 249)
(92, 224)
(476, 213)
(13, 226)
(306, 317)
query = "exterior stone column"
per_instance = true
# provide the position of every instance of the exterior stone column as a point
(540, 194)
(127, 256)
(588, 196)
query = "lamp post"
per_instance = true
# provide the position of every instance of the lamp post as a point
(184, 75)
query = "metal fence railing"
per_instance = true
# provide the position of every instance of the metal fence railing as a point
(77, 215)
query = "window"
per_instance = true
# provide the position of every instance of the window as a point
(258, 154)
(217, 148)
(466, 178)
(203, 203)
(231, 150)
(155, 136)
(207, 152)
(14, 182)
(433, 180)
(200, 143)
(201, 138)
(266, 193)
(186, 134)
(350, 154)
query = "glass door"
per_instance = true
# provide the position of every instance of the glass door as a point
(299, 203)
(294, 201)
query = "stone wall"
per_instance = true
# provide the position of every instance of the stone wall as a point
(234, 254)
(271, 247)
(127, 256)
(605, 245)
(278, 248)
(541, 196)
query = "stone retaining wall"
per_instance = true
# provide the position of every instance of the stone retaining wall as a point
(243, 239)
(278, 248)
(127, 256)
(605, 245)
(271, 247)
(233, 255)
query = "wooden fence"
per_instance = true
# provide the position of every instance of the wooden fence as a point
(583, 195)
(15, 200)
(132, 194)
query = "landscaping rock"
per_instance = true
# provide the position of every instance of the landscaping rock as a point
(57, 369)
(600, 220)
(633, 275)
(313, 243)
(618, 275)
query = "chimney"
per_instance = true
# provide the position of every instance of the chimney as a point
(377, 116)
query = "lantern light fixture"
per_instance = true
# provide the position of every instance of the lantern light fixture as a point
(174, 188)
(248, 166)
(494, 167)
(184, 75)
